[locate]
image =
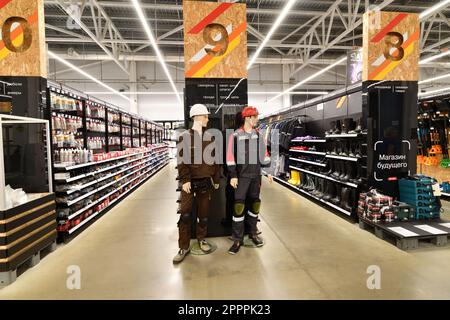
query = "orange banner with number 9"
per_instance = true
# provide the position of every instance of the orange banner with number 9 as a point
(215, 36)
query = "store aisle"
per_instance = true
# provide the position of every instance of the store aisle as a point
(310, 254)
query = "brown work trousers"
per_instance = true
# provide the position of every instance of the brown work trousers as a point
(184, 225)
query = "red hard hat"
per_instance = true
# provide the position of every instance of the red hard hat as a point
(249, 112)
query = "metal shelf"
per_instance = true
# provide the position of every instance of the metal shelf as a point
(310, 152)
(69, 203)
(309, 162)
(324, 177)
(99, 200)
(311, 141)
(67, 168)
(341, 157)
(314, 197)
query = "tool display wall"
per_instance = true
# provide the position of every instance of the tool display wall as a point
(433, 157)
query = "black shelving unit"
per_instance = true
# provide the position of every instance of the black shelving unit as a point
(86, 191)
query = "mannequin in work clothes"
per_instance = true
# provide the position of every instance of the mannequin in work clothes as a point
(246, 154)
(198, 180)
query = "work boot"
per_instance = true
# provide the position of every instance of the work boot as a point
(347, 125)
(332, 128)
(321, 191)
(358, 153)
(182, 253)
(338, 127)
(343, 171)
(347, 166)
(345, 193)
(337, 199)
(235, 247)
(343, 150)
(256, 240)
(329, 190)
(351, 174)
(358, 128)
(205, 246)
(351, 152)
(330, 170)
(334, 150)
(350, 202)
(336, 172)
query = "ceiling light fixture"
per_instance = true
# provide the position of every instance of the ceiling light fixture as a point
(435, 78)
(87, 75)
(434, 91)
(277, 23)
(434, 8)
(315, 75)
(152, 39)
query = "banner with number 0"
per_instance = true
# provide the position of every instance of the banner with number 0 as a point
(22, 43)
(215, 39)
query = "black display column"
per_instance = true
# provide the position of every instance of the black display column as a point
(390, 87)
(391, 112)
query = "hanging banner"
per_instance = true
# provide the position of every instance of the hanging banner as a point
(22, 44)
(391, 46)
(215, 40)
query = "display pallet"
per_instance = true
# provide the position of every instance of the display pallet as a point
(9, 277)
(409, 235)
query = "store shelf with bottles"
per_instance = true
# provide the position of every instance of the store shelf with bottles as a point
(65, 102)
(85, 192)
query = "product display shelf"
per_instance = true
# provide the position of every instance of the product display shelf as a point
(79, 188)
(332, 156)
(71, 202)
(143, 176)
(313, 197)
(353, 185)
(310, 141)
(346, 135)
(309, 162)
(73, 167)
(91, 217)
(310, 152)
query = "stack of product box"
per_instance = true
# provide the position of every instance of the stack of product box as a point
(418, 192)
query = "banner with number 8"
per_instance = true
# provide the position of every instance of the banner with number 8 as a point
(391, 47)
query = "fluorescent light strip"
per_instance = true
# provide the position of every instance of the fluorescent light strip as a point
(152, 39)
(434, 8)
(311, 77)
(434, 91)
(318, 93)
(87, 75)
(277, 23)
(435, 78)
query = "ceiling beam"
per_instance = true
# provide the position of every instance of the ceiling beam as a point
(91, 35)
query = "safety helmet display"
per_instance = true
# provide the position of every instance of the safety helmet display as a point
(249, 112)
(198, 110)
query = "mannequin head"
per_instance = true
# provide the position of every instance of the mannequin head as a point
(250, 115)
(201, 121)
(251, 122)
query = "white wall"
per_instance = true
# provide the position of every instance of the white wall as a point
(150, 76)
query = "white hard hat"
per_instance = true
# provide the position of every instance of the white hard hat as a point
(198, 110)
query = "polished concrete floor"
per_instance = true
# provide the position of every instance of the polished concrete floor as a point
(310, 253)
